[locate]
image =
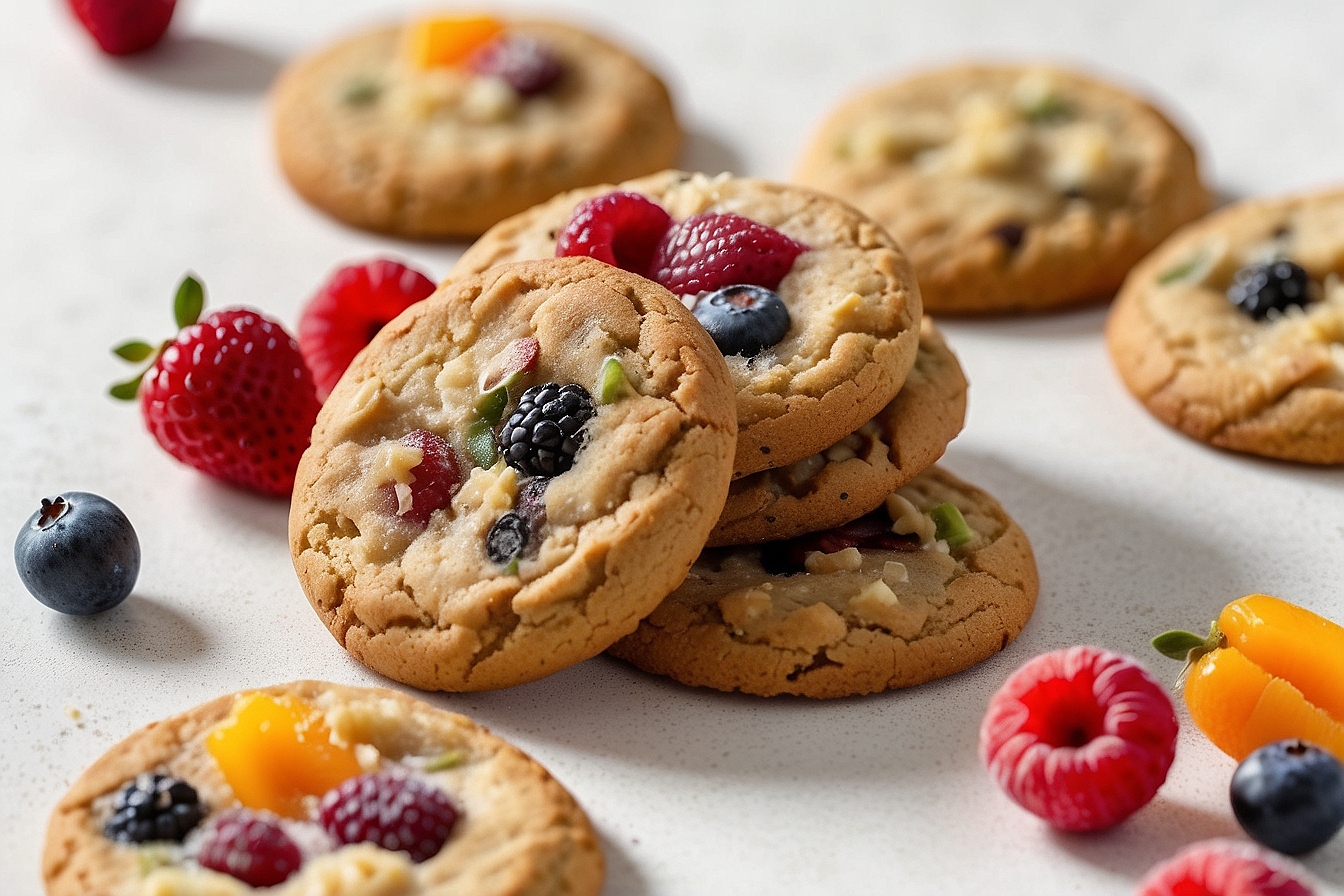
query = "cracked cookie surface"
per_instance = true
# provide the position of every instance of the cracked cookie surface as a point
(373, 140)
(519, 832)
(855, 475)
(1013, 187)
(429, 606)
(852, 299)
(854, 620)
(1273, 386)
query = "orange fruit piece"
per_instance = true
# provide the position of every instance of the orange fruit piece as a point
(449, 41)
(1276, 678)
(275, 751)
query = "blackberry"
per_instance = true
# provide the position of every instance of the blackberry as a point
(545, 432)
(154, 807)
(1277, 285)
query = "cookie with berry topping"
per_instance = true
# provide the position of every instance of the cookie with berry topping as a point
(513, 473)
(855, 475)
(1233, 330)
(438, 128)
(1013, 187)
(935, 581)
(286, 787)
(814, 306)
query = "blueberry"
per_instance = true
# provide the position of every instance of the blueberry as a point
(1289, 796)
(1276, 285)
(78, 554)
(744, 319)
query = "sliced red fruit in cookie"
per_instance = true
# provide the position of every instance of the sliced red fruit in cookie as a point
(1226, 868)
(871, 532)
(527, 64)
(250, 846)
(1081, 737)
(519, 356)
(713, 250)
(619, 228)
(349, 310)
(437, 477)
(395, 811)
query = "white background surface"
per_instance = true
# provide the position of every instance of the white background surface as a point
(116, 177)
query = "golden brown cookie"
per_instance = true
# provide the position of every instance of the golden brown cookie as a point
(1013, 187)
(852, 298)
(517, 830)
(528, 568)
(1265, 380)
(856, 474)
(879, 603)
(371, 136)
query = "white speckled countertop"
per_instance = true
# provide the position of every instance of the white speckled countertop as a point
(116, 177)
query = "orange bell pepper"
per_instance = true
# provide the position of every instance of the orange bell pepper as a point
(1268, 670)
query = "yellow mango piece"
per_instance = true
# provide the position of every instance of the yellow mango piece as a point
(274, 751)
(1291, 643)
(448, 41)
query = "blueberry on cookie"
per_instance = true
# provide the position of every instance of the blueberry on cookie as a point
(1013, 188)
(443, 126)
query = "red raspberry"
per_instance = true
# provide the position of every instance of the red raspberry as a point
(437, 477)
(1226, 868)
(622, 229)
(250, 846)
(349, 310)
(1081, 737)
(527, 64)
(395, 811)
(710, 251)
(124, 26)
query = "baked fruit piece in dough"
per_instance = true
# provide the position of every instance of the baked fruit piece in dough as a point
(853, 304)
(517, 831)
(1013, 187)
(882, 602)
(523, 559)
(440, 128)
(856, 474)
(1265, 376)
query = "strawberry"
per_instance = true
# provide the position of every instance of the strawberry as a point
(1081, 737)
(1226, 868)
(713, 250)
(230, 395)
(124, 26)
(349, 310)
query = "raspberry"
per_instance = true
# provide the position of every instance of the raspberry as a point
(394, 811)
(250, 846)
(710, 251)
(527, 64)
(1226, 868)
(437, 477)
(124, 26)
(542, 437)
(349, 310)
(621, 229)
(229, 396)
(1081, 737)
(153, 807)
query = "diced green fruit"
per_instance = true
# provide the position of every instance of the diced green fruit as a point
(512, 568)
(613, 382)
(1183, 271)
(1049, 109)
(445, 761)
(950, 525)
(362, 92)
(481, 444)
(490, 406)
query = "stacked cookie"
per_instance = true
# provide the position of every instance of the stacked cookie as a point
(839, 561)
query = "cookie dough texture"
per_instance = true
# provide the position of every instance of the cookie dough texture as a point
(377, 143)
(852, 298)
(1272, 387)
(427, 607)
(855, 475)
(520, 832)
(849, 627)
(1013, 187)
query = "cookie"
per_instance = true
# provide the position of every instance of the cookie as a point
(517, 830)
(441, 128)
(853, 304)
(510, 566)
(1264, 377)
(1013, 188)
(853, 610)
(855, 475)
